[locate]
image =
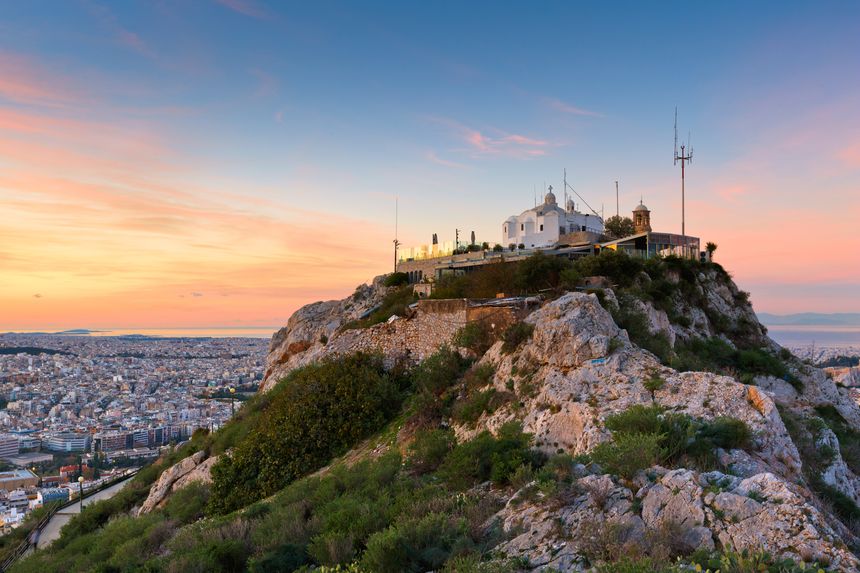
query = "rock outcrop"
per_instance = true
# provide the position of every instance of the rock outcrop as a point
(680, 508)
(195, 468)
(568, 382)
(578, 368)
(304, 337)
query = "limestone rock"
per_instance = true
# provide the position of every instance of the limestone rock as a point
(763, 512)
(836, 473)
(195, 467)
(675, 499)
(568, 383)
(302, 339)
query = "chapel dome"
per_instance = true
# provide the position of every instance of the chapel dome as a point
(549, 199)
(640, 207)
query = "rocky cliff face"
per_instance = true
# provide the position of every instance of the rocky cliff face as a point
(194, 468)
(306, 335)
(578, 368)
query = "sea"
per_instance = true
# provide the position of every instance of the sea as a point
(201, 332)
(828, 336)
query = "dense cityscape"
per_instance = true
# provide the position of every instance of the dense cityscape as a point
(91, 406)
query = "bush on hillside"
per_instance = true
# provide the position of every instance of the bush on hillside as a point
(643, 436)
(396, 279)
(477, 336)
(628, 453)
(489, 458)
(429, 449)
(540, 272)
(394, 303)
(515, 335)
(319, 411)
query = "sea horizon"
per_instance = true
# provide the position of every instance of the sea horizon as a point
(170, 332)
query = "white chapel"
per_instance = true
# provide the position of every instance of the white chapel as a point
(542, 226)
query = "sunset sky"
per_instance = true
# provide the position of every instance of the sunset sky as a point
(202, 163)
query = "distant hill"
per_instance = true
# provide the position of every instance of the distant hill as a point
(810, 319)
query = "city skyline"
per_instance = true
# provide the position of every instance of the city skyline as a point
(154, 174)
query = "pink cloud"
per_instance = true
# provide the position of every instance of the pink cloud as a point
(496, 143)
(433, 157)
(22, 80)
(731, 192)
(850, 155)
(267, 84)
(564, 107)
(121, 34)
(246, 7)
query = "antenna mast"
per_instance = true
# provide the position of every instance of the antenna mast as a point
(617, 204)
(396, 242)
(565, 189)
(686, 156)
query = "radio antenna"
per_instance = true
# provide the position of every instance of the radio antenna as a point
(396, 242)
(686, 156)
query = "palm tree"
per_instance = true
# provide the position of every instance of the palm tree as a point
(710, 247)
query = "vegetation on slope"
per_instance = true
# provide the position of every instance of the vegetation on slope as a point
(316, 413)
(666, 283)
(416, 513)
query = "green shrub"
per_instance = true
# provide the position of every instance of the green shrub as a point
(318, 412)
(433, 380)
(849, 438)
(627, 453)
(429, 449)
(730, 561)
(727, 433)
(635, 565)
(654, 383)
(515, 335)
(394, 303)
(540, 272)
(486, 457)
(569, 278)
(679, 437)
(421, 544)
(477, 336)
(439, 372)
(396, 279)
(331, 548)
(286, 558)
(628, 316)
(637, 419)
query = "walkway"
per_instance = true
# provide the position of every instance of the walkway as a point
(51, 531)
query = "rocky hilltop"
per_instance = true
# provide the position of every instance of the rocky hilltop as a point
(633, 417)
(579, 367)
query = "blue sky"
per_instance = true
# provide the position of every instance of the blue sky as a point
(325, 111)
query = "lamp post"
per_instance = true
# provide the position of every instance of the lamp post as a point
(81, 486)
(232, 401)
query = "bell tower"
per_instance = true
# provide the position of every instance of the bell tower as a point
(641, 219)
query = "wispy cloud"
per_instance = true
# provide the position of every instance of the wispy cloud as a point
(245, 7)
(850, 155)
(84, 186)
(433, 157)
(122, 35)
(493, 142)
(565, 107)
(267, 84)
(25, 81)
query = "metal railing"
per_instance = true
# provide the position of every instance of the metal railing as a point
(25, 545)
